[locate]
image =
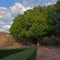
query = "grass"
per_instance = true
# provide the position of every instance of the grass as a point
(28, 54)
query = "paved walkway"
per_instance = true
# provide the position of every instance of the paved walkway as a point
(46, 54)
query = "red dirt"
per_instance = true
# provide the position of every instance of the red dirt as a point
(46, 54)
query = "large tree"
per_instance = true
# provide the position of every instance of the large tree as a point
(34, 23)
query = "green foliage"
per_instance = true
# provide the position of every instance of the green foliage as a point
(58, 10)
(57, 26)
(7, 52)
(32, 23)
(28, 54)
(51, 14)
(37, 22)
(57, 29)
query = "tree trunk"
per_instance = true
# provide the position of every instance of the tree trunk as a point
(38, 42)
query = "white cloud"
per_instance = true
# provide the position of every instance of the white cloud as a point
(0, 16)
(1, 23)
(5, 28)
(2, 30)
(9, 14)
(18, 8)
(51, 2)
(28, 8)
(3, 8)
(4, 13)
(29, 3)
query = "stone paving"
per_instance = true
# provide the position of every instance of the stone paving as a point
(46, 54)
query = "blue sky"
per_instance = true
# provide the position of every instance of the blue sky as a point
(8, 3)
(10, 8)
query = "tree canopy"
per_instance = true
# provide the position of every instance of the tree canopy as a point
(37, 22)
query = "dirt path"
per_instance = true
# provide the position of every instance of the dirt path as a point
(46, 54)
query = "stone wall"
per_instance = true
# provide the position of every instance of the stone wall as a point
(6, 39)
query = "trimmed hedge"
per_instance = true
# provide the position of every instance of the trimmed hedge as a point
(28, 54)
(7, 52)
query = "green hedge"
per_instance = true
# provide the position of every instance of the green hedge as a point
(7, 52)
(28, 54)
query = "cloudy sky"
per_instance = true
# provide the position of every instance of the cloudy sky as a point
(11, 8)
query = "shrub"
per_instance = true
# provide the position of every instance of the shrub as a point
(7, 52)
(28, 54)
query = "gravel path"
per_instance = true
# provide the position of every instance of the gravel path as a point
(46, 54)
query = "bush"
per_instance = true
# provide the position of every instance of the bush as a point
(28, 54)
(7, 52)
